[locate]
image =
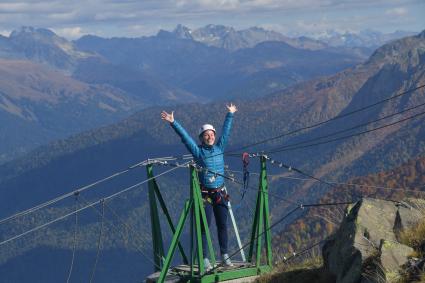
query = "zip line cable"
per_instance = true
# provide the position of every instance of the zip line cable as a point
(351, 135)
(81, 189)
(348, 129)
(290, 168)
(342, 183)
(47, 223)
(329, 120)
(147, 180)
(89, 186)
(85, 207)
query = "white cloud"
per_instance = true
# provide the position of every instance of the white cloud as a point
(27, 7)
(70, 33)
(104, 16)
(142, 16)
(197, 5)
(62, 16)
(398, 12)
(14, 7)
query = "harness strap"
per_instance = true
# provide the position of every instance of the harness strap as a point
(215, 196)
(245, 160)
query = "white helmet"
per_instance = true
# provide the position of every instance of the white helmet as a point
(206, 127)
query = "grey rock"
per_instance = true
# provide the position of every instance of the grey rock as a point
(365, 247)
(393, 255)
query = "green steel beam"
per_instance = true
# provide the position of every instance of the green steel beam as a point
(265, 189)
(261, 220)
(170, 222)
(164, 210)
(158, 246)
(259, 229)
(198, 229)
(200, 214)
(254, 227)
(187, 206)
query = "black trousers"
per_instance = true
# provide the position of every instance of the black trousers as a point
(220, 214)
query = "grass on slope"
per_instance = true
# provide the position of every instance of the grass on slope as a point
(415, 238)
(308, 271)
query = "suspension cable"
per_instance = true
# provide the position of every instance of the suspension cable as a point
(346, 130)
(85, 207)
(417, 190)
(351, 135)
(329, 120)
(81, 189)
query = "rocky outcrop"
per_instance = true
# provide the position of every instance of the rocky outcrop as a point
(365, 248)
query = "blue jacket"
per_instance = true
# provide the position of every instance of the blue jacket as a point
(210, 157)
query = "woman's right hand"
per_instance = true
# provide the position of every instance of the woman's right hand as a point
(167, 116)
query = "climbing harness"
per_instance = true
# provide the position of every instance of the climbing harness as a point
(215, 196)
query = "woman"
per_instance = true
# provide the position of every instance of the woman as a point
(209, 155)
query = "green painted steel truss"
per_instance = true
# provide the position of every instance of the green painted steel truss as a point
(195, 210)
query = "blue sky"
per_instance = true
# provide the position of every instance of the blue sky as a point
(132, 18)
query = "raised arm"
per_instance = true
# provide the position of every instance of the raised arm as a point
(186, 139)
(222, 142)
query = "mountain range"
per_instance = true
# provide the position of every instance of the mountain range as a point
(94, 81)
(231, 39)
(364, 38)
